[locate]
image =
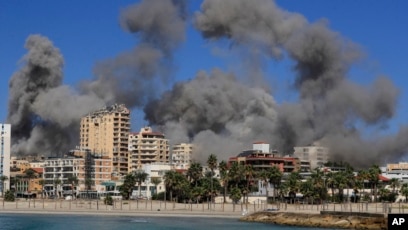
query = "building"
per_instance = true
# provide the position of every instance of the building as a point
(91, 171)
(316, 154)
(106, 132)
(259, 159)
(5, 144)
(181, 156)
(155, 172)
(147, 147)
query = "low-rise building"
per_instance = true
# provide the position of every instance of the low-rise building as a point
(316, 154)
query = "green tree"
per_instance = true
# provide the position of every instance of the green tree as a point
(374, 172)
(140, 177)
(293, 183)
(42, 183)
(394, 184)
(29, 174)
(235, 194)
(224, 177)
(9, 196)
(57, 182)
(156, 181)
(275, 178)
(195, 172)
(127, 186)
(170, 181)
(212, 164)
(73, 181)
(3, 180)
(404, 191)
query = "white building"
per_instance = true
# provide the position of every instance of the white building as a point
(261, 146)
(5, 143)
(316, 154)
(181, 156)
(154, 170)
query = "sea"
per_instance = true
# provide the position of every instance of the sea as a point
(89, 222)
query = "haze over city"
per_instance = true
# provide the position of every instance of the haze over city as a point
(219, 74)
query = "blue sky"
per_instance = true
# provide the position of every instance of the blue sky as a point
(88, 31)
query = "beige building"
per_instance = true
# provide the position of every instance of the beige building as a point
(316, 154)
(147, 147)
(181, 155)
(401, 166)
(106, 132)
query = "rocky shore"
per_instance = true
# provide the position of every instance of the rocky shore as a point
(324, 219)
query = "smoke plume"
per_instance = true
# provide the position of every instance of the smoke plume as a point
(329, 109)
(45, 114)
(220, 112)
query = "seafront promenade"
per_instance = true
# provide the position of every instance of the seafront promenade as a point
(154, 207)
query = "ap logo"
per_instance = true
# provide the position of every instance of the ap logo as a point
(397, 221)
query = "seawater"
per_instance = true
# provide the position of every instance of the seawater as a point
(89, 222)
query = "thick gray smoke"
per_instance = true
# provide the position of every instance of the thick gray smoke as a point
(330, 107)
(216, 111)
(135, 77)
(45, 114)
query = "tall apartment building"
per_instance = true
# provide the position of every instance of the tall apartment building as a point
(316, 154)
(181, 155)
(5, 138)
(96, 168)
(147, 147)
(106, 132)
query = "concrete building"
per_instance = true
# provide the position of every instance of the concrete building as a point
(106, 132)
(157, 171)
(95, 168)
(147, 147)
(316, 154)
(181, 156)
(5, 144)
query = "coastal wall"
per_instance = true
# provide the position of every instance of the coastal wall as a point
(325, 219)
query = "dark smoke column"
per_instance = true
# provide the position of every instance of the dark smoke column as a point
(41, 71)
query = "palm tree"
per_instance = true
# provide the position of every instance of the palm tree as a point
(373, 172)
(42, 183)
(73, 181)
(264, 175)
(30, 174)
(57, 182)
(140, 177)
(293, 183)
(340, 181)
(195, 172)
(404, 191)
(249, 174)
(224, 177)
(394, 183)
(212, 164)
(128, 184)
(3, 180)
(275, 177)
(156, 181)
(170, 181)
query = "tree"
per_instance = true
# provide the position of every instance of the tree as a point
(404, 191)
(140, 177)
(195, 172)
(57, 182)
(9, 196)
(224, 177)
(170, 181)
(73, 181)
(293, 183)
(373, 172)
(275, 178)
(235, 194)
(394, 183)
(42, 183)
(3, 180)
(128, 184)
(156, 181)
(212, 164)
(29, 174)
